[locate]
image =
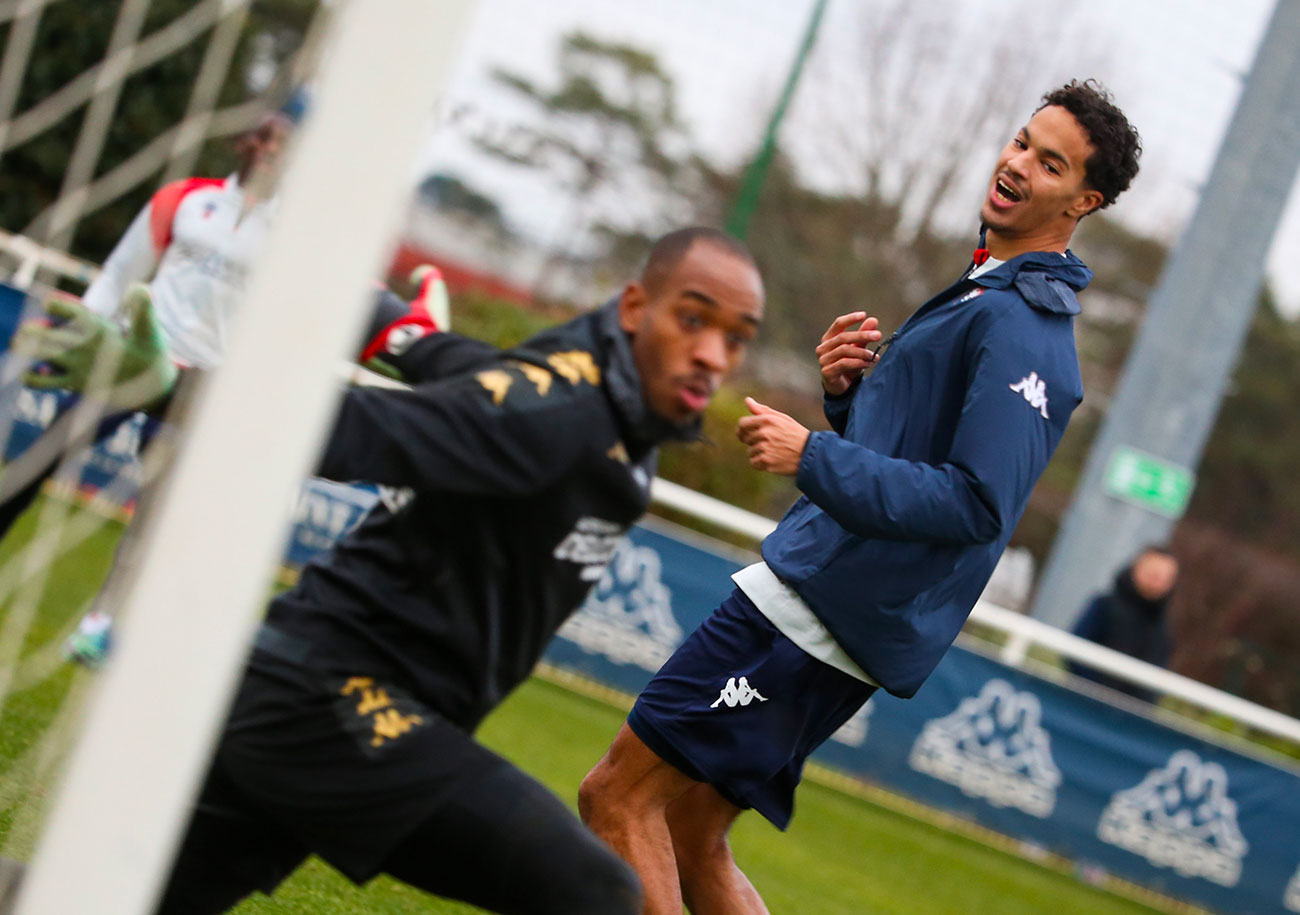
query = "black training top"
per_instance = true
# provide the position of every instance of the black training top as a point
(508, 486)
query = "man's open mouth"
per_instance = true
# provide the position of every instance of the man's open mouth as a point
(1007, 192)
(695, 395)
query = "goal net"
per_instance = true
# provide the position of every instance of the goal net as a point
(100, 104)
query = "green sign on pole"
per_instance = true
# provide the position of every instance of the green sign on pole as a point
(1148, 481)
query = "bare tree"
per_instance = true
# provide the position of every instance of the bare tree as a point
(910, 102)
(608, 134)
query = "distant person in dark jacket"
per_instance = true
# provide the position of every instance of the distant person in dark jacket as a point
(1130, 617)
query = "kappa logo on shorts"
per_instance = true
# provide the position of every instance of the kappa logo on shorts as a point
(738, 692)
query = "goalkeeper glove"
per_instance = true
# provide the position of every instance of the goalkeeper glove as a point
(136, 368)
(429, 313)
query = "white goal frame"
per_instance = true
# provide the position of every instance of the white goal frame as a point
(210, 547)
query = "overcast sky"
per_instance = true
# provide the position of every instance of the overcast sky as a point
(1175, 66)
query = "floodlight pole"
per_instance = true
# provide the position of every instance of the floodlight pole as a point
(1139, 472)
(752, 186)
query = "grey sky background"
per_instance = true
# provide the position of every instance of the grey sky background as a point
(1175, 66)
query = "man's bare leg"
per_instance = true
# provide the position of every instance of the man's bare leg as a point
(670, 828)
(624, 800)
(712, 883)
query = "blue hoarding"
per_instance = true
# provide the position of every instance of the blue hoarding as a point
(1017, 753)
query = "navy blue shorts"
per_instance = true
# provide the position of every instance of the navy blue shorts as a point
(740, 706)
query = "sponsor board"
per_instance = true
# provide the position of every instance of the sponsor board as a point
(628, 616)
(853, 733)
(1291, 899)
(1180, 817)
(993, 747)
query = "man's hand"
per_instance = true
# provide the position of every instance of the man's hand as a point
(843, 355)
(129, 369)
(776, 441)
(430, 312)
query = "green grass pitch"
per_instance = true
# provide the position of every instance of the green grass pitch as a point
(842, 856)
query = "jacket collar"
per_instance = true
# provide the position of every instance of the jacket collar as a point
(1047, 280)
(601, 332)
(642, 426)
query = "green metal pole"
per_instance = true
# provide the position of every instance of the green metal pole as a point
(747, 200)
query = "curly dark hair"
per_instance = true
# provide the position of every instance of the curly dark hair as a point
(1116, 144)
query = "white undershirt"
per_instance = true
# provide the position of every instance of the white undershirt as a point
(991, 264)
(795, 620)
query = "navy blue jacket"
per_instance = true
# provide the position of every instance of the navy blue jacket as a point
(909, 502)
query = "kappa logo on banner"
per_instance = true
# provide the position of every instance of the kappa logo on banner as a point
(853, 732)
(37, 408)
(993, 747)
(1292, 898)
(628, 616)
(1180, 817)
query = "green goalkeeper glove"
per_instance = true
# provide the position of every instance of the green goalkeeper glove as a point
(132, 364)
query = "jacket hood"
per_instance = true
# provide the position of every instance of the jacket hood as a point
(641, 423)
(1046, 280)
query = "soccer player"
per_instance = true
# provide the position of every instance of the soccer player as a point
(194, 242)
(509, 486)
(906, 506)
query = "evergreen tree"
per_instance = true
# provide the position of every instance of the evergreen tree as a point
(71, 39)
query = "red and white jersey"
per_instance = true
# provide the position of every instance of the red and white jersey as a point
(198, 244)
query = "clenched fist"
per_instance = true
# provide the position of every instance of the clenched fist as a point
(776, 441)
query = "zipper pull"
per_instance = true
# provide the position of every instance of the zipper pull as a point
(875, 353)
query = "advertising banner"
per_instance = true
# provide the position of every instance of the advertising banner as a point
(1019, 754)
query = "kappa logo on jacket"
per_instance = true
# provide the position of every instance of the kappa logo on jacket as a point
(1035, 391)
(738, 692)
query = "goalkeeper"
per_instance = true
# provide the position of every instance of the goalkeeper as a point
(194, 241)
(510, 486)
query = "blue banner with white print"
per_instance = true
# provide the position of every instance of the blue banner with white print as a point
(1057, 769)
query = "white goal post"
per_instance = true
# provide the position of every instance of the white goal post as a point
(209, 547)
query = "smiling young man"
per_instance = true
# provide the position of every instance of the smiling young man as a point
(907, 504)
(509, 485)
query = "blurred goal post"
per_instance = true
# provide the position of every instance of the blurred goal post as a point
(208, 548)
